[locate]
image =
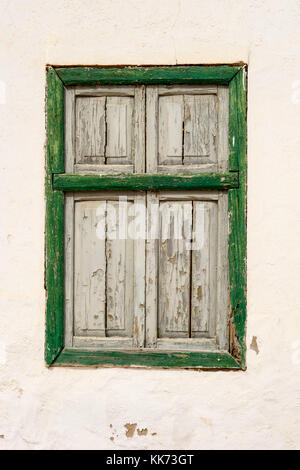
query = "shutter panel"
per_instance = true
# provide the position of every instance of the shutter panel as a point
(184, 266)
(108, 264)
(105, 130)
(187, 129)
(169, 291)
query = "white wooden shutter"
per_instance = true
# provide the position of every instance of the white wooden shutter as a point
(186, 270)
(168, 292)
(105, 130)
(187, 129)
(105, 266)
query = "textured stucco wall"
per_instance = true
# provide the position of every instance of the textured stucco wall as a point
(69, 408)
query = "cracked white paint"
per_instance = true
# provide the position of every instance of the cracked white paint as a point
(69, 408)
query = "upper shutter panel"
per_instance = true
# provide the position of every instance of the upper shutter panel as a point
(187, 129)
(105, 130)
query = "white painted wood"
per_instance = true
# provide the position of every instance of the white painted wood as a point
(174, 269)
(151, 129)
(110, 130)
(89, 268)
(190, 137)
(208, 268)
(170, 129)
(90, 129)
(119, 128)
(68, 269)
(138, 147)
(119, 271)
(139, 231)
(222, 273)
(200, 129)
(102, 343)
(190, 344)
(104, 91)
(189, 196)
(204, 268)
(187, 169)
(188, 90)
(69, 129)
(103, 169)
(152, 269)
(109, 270)
(223, 127)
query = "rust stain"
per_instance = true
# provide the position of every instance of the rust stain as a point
(130, 429)
(254, 345)
(142, 432)
(199, 293)
(234, 345)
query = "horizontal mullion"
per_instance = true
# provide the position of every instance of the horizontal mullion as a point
(167, 75)
(146, 182)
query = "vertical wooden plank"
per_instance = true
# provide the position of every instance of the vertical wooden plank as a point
(237, 215)
(54, 261)
(89, 268)
(139, 271)
(119, 119)
(70, 131)
(119, 260)
(152, 268)
(223, 274)
(201, 288)
(170, 130)
(174, 269)
(139, 157)
(200, 128)
(90, 129)
(69, 269)
(223, 123)
(151, 129)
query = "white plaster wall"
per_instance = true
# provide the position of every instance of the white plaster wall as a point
(72, 408)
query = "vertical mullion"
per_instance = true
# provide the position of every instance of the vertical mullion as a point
(152, 269)
(151, 129)
(139, 157)
(139, 271)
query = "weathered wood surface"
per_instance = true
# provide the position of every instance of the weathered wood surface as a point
(237, 210)
(174, 271)
(145, 182)
(54, 263)
(237, 241)
(187, 129)
(89, 269)
(194, 74)
(183, 276)
(109, 269)
(105, 129)
(146, 358)
(90, 129)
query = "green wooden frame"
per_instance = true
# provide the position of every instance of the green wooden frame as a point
(234, 181)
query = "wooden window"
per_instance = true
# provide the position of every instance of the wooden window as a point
(146, 216)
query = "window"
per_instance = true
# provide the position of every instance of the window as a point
(146, 216)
